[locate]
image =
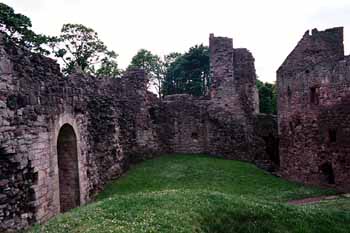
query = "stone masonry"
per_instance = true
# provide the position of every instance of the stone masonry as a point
(225, 123)
(105, 121)
(314, 111)
(62, 138)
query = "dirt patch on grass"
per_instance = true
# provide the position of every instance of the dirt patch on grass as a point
(313, 200)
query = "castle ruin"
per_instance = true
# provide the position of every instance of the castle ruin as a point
(62, 138)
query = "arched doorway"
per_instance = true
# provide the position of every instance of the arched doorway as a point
(67, 153)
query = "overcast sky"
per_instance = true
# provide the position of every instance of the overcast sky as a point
(268, 28)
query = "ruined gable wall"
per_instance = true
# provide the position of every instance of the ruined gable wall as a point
(315, 47)
(313, 102)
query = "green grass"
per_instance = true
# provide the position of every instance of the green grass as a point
(341, 203)
(201, 194)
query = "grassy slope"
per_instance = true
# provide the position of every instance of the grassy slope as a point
(200, 194)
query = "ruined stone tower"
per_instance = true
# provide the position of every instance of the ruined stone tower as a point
(314, 110)
(233, 77)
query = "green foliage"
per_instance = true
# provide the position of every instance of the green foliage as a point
(197, 194)
(176, 73)
(188, 73)
(109, 66)
(152, 65)
(170, 59)
(79, 47)
(18, 28)
(145, 60)
(267, 97)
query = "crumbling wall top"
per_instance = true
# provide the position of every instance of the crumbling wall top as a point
(221, 63)
(315, 48)
(220, 42)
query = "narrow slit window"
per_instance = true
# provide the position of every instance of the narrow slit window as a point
(314, 95)
(291, 127)
(153, 115)
(289, 93)
(332, 133)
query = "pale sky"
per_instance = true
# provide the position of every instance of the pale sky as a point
(270, 29)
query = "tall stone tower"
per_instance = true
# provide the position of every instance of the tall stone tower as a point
(234, 101)
(233, 77)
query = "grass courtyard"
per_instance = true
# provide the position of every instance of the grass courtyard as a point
(202, 194)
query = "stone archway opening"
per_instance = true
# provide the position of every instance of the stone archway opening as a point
(67, 153)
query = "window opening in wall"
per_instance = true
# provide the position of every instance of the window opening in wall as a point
(194, 136)
(271, 148)
(332, 135)
(328, 173)
(291, 127)
(289, 93)
(152, 113)
(314, 95)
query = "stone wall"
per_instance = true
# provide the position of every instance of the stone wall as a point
(108, 118)
(62, 138)
(313, 111)
(226, 122)
(186, 125)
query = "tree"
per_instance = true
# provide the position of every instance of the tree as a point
(79, 47)
(152, 65)
(170, 58)
(189, 73)
(18, 28)
(267, 97)
(109, 67)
